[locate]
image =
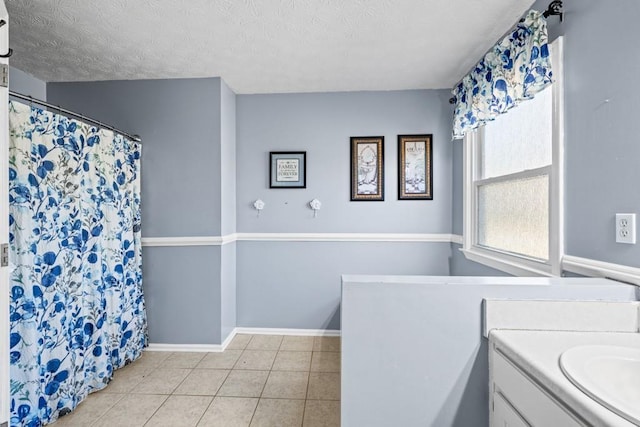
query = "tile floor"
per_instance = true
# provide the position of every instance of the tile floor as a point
(259, 380)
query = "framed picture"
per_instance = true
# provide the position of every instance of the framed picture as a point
(288, 169)
(367, 168)
(414, 167)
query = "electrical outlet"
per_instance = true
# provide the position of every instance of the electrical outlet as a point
(626, 228)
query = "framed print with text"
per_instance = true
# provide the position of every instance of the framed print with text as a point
(288, 169)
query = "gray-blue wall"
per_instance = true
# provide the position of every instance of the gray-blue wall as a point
(26, 84)
(297, 284)
(228, 207)
(601, 62)
(321, 124)
(182, 294)
(194, 170)
(180, 122)
(228, 159)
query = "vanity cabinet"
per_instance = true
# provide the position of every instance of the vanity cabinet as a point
(518, 400)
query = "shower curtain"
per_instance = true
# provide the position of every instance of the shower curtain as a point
(76, 303)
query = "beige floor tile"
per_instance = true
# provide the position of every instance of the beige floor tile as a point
(326, 344)
(286, 385)
(265, 342)
(278, 413)
(229, 412)
(260, 360)
(292, 361)
(325, 361)
(202, 382)
(125, 379)
(297, 343)
(223, 360)
(239, 342)
(324, 386)
(183, 360)
(129, 412)
(152, 359)
(244, 384)
(92, 408)
(161, 381)
(322, 413)
(183, 411)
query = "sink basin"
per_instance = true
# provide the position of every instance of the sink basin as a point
(608, 374)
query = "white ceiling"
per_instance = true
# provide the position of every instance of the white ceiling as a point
(260, 46)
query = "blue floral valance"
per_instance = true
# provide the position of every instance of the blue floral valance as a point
(516, 68)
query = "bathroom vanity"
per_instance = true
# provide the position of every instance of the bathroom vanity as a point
(563, 363)
(529, 388)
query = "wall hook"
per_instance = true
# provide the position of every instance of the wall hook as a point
(8, 54)
(258, 205)
(315, 204)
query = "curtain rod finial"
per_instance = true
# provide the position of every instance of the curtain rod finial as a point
(555, 8)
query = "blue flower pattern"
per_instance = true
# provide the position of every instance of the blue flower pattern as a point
(516, 68)
(77, 309)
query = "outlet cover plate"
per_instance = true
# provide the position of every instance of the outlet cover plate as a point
(626, 228)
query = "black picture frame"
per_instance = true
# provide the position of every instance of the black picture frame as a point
(287, 169)
(367, 168)
(415, 167)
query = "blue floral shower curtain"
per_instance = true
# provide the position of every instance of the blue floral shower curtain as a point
(76, 303)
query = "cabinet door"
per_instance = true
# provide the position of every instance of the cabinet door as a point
(504, 415)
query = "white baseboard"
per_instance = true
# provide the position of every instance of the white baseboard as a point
(195, 348)
(298, 332)
(216, 348)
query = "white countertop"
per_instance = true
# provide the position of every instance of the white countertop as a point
(538, 354)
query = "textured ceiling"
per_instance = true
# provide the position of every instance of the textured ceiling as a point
(260, 46)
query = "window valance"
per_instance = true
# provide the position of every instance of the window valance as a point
(516, 68)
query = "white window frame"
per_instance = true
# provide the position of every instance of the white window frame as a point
(509, 263)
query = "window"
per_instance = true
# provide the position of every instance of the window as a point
(513, 185)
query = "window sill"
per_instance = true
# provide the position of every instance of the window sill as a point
(510, 265)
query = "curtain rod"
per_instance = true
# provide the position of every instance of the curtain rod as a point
(32, 100)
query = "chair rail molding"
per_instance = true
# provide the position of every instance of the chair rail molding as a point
(300, 237)
(592, 267)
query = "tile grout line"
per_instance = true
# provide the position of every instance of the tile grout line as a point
(213, 399)
(192, 369)
(170, 394)
(265, 382)
(306, 395)
(154, 412)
